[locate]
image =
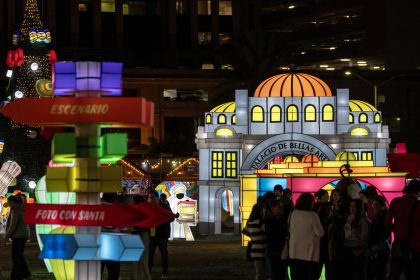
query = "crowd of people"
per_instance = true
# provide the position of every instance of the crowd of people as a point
(343, 237)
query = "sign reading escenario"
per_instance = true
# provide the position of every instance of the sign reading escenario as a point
(126, 111)
(117, 215)
(286, 147)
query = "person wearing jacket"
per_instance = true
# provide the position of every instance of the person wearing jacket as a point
(19, 233)
(403, 218)
(378, 241)
(276, 231)
(256, 230)
(159, 238)
(304, 245)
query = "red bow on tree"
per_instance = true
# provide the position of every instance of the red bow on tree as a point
(15, 58)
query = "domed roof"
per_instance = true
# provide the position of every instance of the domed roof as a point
(224, 108)
(360, 106)
(292, 85)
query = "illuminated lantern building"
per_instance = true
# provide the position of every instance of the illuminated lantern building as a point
(295, 132)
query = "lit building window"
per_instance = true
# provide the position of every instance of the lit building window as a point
(328, 113)
(208, 119)
(108, 6)
(356, 155)
(225, 8)
(359, 132)
(292, 113)
(275, 114)
(217, 165)
(351, 118)
(233, 119)
(367, 155)
(363, 118)
(310, 113)
(224, 132)
(257, 114)
(204, 7)
(221, 119)
(231, 165)
(377, 118)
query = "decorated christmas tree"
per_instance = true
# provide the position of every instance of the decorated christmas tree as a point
(30, 63)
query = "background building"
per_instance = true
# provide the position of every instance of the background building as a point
(189, 55)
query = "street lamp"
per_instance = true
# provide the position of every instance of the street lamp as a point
(375, 86)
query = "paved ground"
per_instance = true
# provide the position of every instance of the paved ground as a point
(208, 258)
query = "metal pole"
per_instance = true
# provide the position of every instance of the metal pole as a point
(375, 92)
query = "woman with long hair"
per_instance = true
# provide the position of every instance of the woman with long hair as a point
(304, 245)
(337, 218)
(355, 241)
(322, 207)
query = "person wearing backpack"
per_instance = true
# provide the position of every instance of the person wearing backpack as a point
(403, 218)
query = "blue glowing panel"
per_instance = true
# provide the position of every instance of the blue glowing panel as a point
(64, 78)
(111, 247)
(134, 248)
(69, 246)
(87, 247)
(267, 184)
(58, 246)
(111, 77)
(121, 247)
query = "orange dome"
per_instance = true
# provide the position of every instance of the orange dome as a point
(292, 85)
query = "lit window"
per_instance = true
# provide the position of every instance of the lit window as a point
(224, 132)
(231, 165)
(208, 119)
(377, 118)
(225, 8)
(108, 6)
(275, 114)
(310, 113)
(290, 158)
(356, 155)
(328, 113)
(359, 132)
(204, 7)
(257, 114)
(221, 119)
(367, 155)
(217, 165)
(292, 114)
(363, 118)
(233, 119)
(351, 118)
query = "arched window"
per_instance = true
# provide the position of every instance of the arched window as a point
(363, 118)
(310, 113)
(275, 114)
(328, 113)
(292, 113)
(221, 119)
(377, 118)
(351, 118)
(257, 114)
(233, 120)
(359, 131)
(208, 119)
(224, 132)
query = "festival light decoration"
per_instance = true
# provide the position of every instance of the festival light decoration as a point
(9, 171)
